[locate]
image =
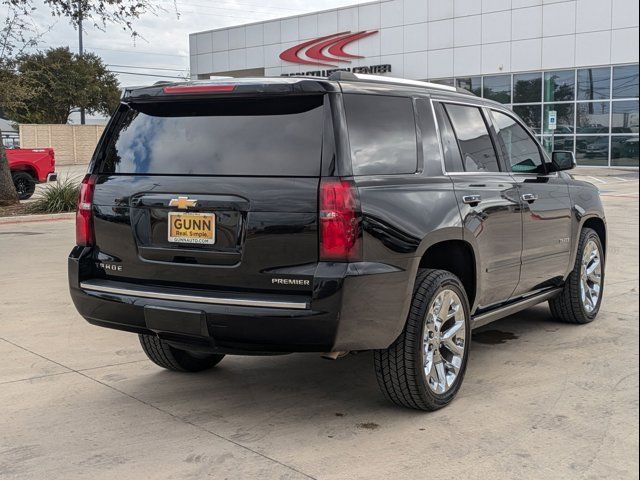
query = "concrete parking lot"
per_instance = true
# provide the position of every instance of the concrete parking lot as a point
(541, 399)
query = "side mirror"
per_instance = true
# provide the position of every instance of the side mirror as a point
(562, 161)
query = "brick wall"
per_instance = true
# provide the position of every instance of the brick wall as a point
(73, 144)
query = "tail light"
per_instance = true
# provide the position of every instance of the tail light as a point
(84, 215)
(340, 230)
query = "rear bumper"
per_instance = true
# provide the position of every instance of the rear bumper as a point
(353, 307)
(52, 177)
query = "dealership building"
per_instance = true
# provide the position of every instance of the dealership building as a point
(572, 61)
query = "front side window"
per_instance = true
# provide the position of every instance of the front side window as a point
(520, 151)
(473, 137)
(382, 134)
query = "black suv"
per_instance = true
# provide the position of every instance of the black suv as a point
(277, 215)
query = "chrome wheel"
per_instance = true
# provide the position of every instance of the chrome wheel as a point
(590, 276)
(443, 341)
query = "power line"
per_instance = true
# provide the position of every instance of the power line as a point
(148, 67)
(138, 74)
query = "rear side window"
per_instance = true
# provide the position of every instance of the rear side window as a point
(473, 137)
(267, 137)
(518, 148)
(452, 157)
(382, 134)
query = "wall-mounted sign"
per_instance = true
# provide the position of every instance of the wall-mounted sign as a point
(553, 119)
(325, 51)
(369, 69)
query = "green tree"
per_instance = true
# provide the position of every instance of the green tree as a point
(65, 81)
(16, 34)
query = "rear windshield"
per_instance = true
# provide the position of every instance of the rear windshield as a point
(268, 137)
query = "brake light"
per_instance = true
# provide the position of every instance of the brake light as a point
(199, 89)
(340, 230)
(84, 214)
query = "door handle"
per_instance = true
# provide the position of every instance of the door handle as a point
(529, 197)
(472, 200)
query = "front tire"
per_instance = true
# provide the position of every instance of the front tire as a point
(171, 358)
(24, 184)
(424, 368)
(581, 296)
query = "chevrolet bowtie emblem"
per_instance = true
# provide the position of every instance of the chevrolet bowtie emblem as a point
(183, 203)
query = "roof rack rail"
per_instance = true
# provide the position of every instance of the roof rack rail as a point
(361, 77)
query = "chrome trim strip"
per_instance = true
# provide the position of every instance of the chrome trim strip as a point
(485, 318)
(99, 287)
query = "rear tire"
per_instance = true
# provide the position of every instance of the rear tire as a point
(171, 358)
(571, 306)
(24, 184)
(409, 372)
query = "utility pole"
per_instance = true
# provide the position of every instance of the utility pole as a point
(80, 51)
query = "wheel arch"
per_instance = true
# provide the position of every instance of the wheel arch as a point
(457, 256)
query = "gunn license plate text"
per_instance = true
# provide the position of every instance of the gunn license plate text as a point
(192, 228)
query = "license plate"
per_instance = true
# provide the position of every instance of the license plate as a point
(197, 228)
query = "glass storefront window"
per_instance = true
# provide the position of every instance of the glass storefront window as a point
(592, 117)
(559, 86)
(565, 117)
(592, 150)
(473, 84)
(624, 150)
(625, 82)
(497, 88)
(531, 115)
(527, 88)
(444, 81)
(558, 143)
(624, 118)
(594, 84)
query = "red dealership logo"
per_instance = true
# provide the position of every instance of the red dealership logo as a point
(325, 51)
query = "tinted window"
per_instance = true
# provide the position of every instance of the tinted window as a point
(280, 136)
(474, 139)
(382, 134)
(472, 84)
(625, 117)
(497, 88)
(559, 86)
(430, 145)
(452, 157)
(518, 148)
(564, 117)
(527, 88)
(625, 82)
(531, 115)
(594, 83)
(592, 117)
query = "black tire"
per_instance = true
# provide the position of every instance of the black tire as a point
(567, 307)
(24, 184)
(166, 356)
(399, 368)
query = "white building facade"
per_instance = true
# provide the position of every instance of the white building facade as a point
(578, 58)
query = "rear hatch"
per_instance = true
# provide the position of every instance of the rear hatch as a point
(217, 194)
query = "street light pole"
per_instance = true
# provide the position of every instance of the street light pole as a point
(80, 51)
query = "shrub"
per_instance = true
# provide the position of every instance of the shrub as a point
(61, 196)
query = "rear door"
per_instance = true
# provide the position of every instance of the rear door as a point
(546, 216)
(487, 197)
(218, 194)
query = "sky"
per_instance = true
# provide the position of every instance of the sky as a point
(163, 47)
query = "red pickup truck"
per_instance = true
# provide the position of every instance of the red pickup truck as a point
(31, 166)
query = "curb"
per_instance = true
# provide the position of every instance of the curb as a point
(51, 217)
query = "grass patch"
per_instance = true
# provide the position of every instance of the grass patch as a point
(61, 196)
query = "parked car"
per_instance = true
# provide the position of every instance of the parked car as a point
(31, 166)
(277, 215)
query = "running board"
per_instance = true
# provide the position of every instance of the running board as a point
(510, 309)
